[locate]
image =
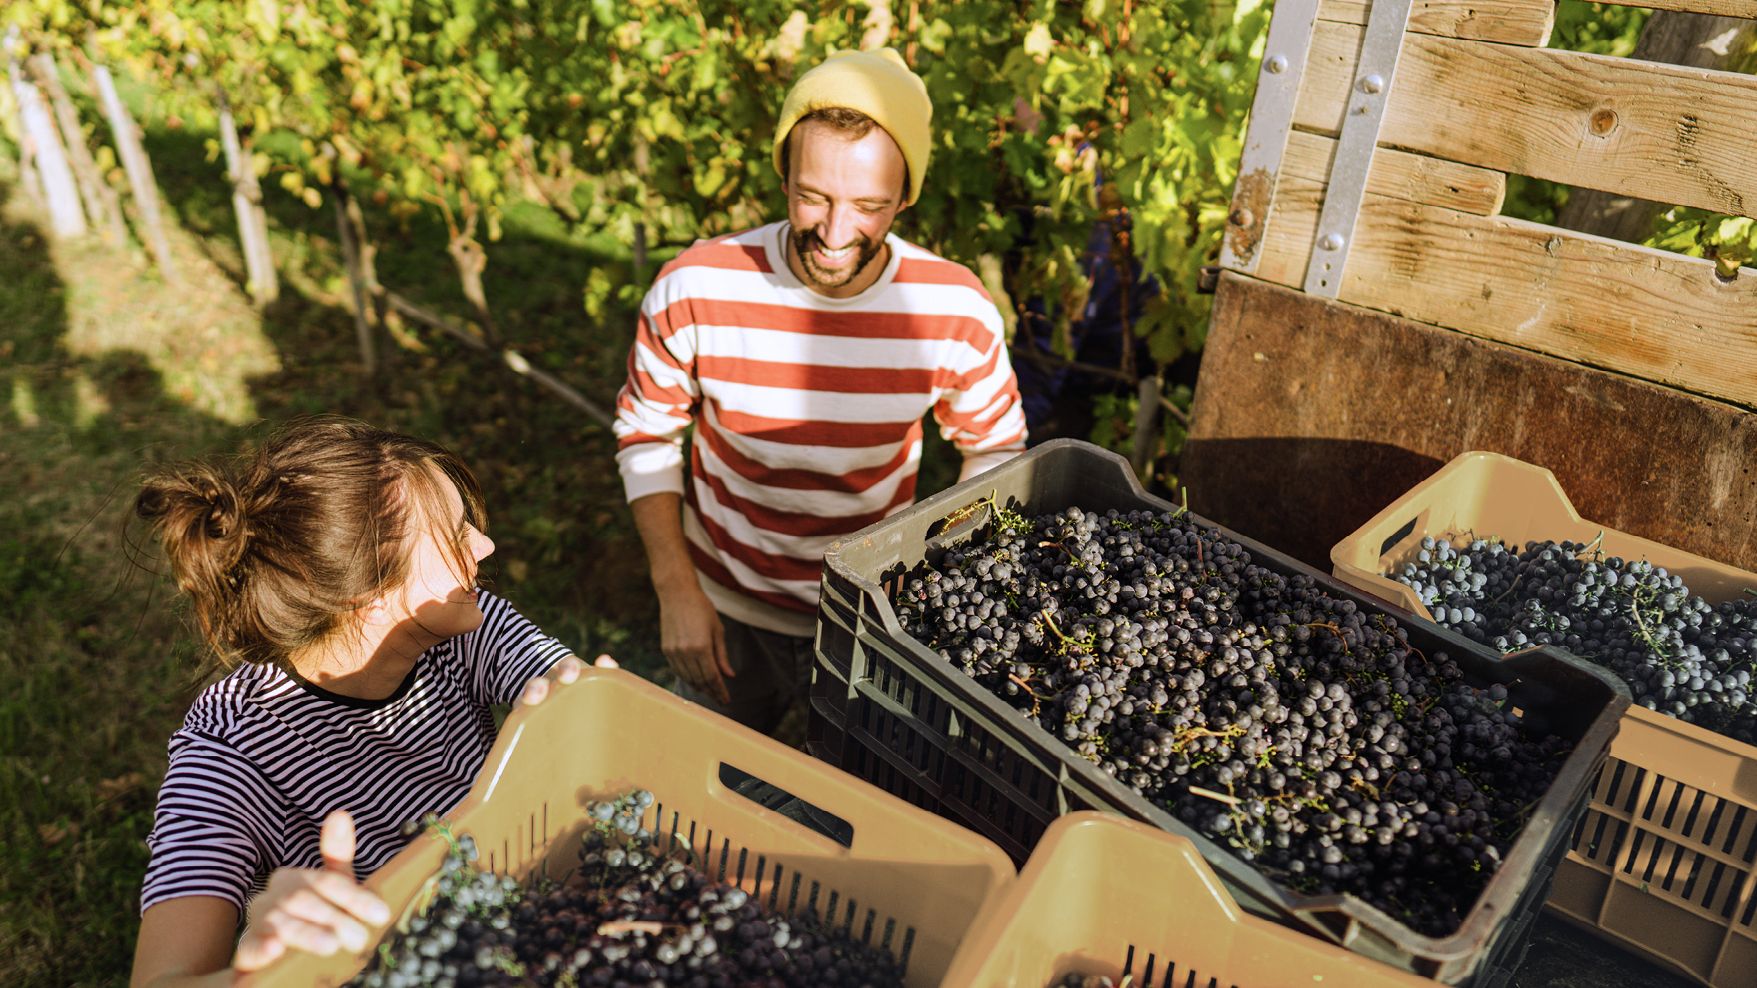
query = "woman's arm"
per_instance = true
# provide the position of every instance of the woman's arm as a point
(187, 941)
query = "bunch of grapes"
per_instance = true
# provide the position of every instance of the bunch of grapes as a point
(1301, 731)
(628, 916)
(1679, 654)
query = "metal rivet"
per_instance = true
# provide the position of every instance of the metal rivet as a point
(1331, 241)
(1277, 64)
(1373, 84)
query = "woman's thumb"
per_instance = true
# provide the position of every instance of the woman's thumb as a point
(336, 842)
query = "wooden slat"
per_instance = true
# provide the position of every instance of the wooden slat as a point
(1513, 22)
(1728, 8)
(1401, 175)
(1659, 316)
(1675, 135)
(1310, 416)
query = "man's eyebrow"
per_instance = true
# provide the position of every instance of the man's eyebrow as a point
(867, 200)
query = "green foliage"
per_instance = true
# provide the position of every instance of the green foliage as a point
(653, 119)
(1598, 28)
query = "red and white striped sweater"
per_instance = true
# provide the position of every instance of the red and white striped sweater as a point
(807, 409)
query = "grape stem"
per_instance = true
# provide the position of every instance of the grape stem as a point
(1591, 547)
(1641, 624)
(1081, 644)
(1217, 797)
(1510, 588)
(1189, 734)
(647, 926)
(1327, 626)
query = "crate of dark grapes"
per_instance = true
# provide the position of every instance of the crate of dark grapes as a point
(1665, 857)
(1106, 902)
(618, 835)
(1047, 638)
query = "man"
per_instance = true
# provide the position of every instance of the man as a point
(805, 353)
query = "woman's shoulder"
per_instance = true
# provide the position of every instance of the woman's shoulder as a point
(232, 708)
(498, 616)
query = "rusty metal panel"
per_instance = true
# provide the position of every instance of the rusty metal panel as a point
(1311, 415)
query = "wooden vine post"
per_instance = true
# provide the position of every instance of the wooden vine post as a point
(45, 157)
(1377, 315)
(259, 264)
(103, 206)
(471, 261)
(135, 163)
(358, 258)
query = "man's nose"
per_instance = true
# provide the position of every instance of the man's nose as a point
(840, 229)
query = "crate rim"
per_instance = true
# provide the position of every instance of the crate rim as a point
(1463, 941)
(1420, 611)
(402, 878)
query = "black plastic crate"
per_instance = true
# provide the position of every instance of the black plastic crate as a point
(889, 710)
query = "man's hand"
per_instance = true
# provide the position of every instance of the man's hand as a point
(694, 641)
(690, 632)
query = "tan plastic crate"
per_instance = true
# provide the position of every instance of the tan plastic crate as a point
(1104, 895)
(1665, 859)
(895, 875)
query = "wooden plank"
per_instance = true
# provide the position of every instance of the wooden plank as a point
(1310, 416)
(1663, 132)
(1402, 175)
(1651, 313)
(1513, 22)
(1727, 8)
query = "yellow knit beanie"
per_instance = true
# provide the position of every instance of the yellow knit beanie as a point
(877, 83)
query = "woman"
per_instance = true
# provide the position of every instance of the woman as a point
(333, 573)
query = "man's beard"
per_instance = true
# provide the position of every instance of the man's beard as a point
(805, 245)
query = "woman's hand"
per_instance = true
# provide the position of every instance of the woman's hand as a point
(565, 671)
(319, 910)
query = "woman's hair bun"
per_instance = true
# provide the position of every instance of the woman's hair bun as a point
(224, 509)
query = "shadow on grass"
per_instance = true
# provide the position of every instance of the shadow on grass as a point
(96, 666)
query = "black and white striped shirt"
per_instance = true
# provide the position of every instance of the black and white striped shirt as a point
(263, 757)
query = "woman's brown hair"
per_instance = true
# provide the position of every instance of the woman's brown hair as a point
(277, 547)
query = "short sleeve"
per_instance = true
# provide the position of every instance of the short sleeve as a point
(506, 652)
(213, 828)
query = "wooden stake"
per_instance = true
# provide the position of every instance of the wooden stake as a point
(102, 206)
(145, 189)
(259, 265)
(59, 193)
(511, 359)
(345, 234)
(1144, 442)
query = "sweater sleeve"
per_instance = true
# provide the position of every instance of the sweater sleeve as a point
(506, 652)
(658, 401)
(979, 410)
(215, 829)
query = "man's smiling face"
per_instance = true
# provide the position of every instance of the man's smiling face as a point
(842, 196)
